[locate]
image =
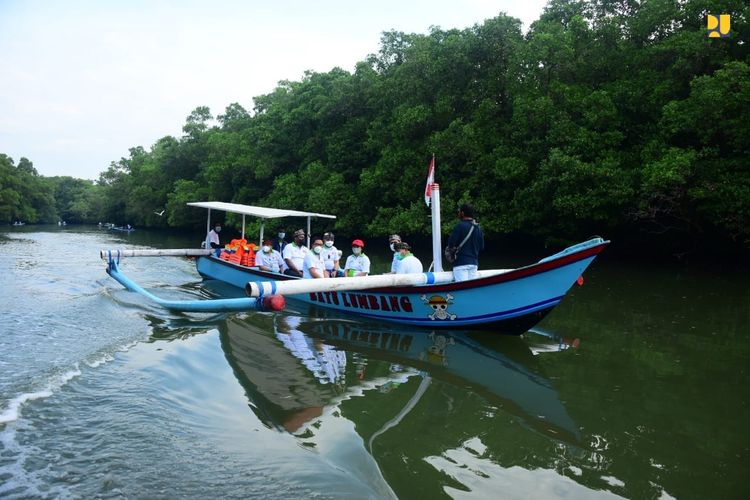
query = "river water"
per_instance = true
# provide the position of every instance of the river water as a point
(636, 386)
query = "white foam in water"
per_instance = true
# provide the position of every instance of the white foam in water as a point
(12, 412)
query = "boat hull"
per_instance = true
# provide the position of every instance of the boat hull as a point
(511, 302)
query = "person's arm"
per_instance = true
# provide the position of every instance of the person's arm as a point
(315, 272)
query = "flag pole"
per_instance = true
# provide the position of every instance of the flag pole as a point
(437, 249)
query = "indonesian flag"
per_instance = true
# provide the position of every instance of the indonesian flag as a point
(430, 182)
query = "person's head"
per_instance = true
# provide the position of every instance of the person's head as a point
(267, 245)
(466, 210)
(392, 240)
(217, 226)
(328, 239)
(299, 236)
(281, 234)
(403, 249)
(317, 245)
(358, 247)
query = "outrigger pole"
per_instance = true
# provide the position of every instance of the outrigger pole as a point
(268, 303)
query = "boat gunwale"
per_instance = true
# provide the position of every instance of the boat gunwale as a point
(515, 274)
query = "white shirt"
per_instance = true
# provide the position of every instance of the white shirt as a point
(312, 260)
(410, 265)
(271, 260)
(296, 254)
(330, 256)
(213, 237)
(359, 263)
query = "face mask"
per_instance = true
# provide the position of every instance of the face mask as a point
(400, 256)
(266, 248)
(392, 247)
(356, 250)
(328, 244)
(281, 236)
(317, 249)
(218, 229)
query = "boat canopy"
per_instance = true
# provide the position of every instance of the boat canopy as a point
(261, 212)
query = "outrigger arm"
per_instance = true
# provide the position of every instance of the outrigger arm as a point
(268, 303)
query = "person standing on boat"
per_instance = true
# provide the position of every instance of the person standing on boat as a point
(331, 257)
(294, 254)
(408, 263)
(393, 240)
(279, 243)
(469, 236)
(268, 259)
(313, 265)
(212, 239)
(357, 264)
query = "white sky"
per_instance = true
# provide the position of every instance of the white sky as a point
(81, 81)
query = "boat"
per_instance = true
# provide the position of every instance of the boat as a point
(19, 223)
(508, 300)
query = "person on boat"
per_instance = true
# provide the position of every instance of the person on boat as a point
(467, 259)
(212, 239)
(408, 263)
(392, 241)
(268, 259)
(357, 264)
(294, 254)
(278, 242)
(331, 257)
(313, 265)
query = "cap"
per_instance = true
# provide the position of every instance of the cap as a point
(299, 232)
(327, 236)
(402, 246)
(358, 243)
(394, 237)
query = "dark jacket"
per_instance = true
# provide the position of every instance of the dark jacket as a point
(279, 244)
(469, 253)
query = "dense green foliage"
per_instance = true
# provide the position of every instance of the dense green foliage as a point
(609, 116)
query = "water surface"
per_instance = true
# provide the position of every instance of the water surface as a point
(635, 387)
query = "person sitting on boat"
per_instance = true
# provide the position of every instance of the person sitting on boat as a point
(294, 254)
(268, 259)
(408, 263)
(357, 264)
(467, 259)
(392, 241)
(313, 265)
(331, 257)
(279, 243)
(212, 239)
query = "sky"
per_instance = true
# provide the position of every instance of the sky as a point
(82, 81)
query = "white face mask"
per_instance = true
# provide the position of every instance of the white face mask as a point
(393, 249)
(328, 244)
(281, 236)
(218, 229)
(266, 248)
(356, 250)
(317, 249)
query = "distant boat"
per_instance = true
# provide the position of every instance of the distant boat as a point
(19, 223)
(127, 229)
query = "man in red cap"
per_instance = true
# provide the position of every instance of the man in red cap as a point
(357, 264)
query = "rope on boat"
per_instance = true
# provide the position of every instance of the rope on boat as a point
(268, 303)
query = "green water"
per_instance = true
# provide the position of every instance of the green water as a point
(636, 386)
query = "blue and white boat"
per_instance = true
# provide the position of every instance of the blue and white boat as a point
(509, 300)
